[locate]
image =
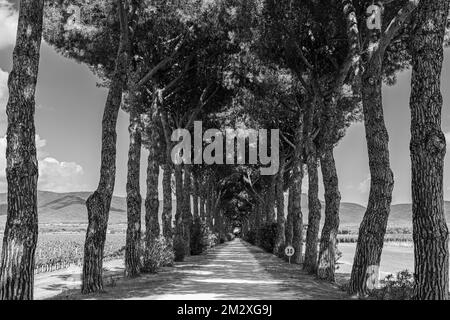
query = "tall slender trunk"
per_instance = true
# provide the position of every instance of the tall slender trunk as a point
(202, 207)
(312, 234)
(328, 239)
(430, 232)
(99, 203)
(281, 221)
(270, 201)
(373, 226)
(21, 231)
(152, 228)
(167, 202)
(297, 215)
(179, 232)
(187, 214)
(290, 218)
(209, 206)
(134, 199)
(195, 197)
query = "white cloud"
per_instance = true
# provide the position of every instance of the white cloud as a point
(54, 175)
(8, 24)
(364, 186)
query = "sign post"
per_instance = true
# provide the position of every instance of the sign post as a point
(289, 251)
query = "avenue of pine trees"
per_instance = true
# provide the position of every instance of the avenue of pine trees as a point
(307, 68)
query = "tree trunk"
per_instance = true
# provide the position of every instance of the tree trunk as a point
(195, 197)
(187, 215)
(312, 234)
(99, 203)
(134, 199)
(167, 202)
(430, 232)
(270, 201)
(281, 221)
(152, 229)
(297, 216)
(328, 239)
(290, 218)
(202, 208)
(373, 226)
(21, 230)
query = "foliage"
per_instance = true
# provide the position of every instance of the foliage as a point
(201, 237)
(250, 237)
(178, 249)
(395, 288)
(160, 254)
(267, 235)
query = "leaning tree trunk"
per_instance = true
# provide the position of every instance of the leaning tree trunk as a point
(99, 203)
(167, 202)
(430, 232)
(373, 226)
(134, 199)
(21, 231)
(297, 216)
(281, 221)
(328, 239)
(152, 229)
(289, 220)
(312, 234)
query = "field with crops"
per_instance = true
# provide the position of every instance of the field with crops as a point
(59, 250)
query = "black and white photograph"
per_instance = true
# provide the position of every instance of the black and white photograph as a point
(224, 155)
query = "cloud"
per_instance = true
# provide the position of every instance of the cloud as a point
(54, 175)
(447, 139)
(8, 24)
(364, 186)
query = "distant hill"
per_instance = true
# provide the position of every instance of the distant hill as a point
(63, 209)
(68, 209)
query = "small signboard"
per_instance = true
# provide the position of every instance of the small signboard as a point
(289, 251)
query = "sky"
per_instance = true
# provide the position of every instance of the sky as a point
(69, 109)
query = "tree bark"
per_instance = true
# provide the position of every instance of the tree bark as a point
(373, 226)
(187, 214)
(167, 202)
(134, 199)
(289, 220)
(99, 203)
(328, 239)
(152, 229)
(314, 206)
(281, 221)
(430, 232)
(195, 197)
(297, 215)
(270, 201)
(21, 231)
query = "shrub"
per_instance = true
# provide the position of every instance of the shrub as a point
(230, 236)
(178, 248)
(159, 254)
(267, 236)
(201, 237)
(250, 237)
(399, 288)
